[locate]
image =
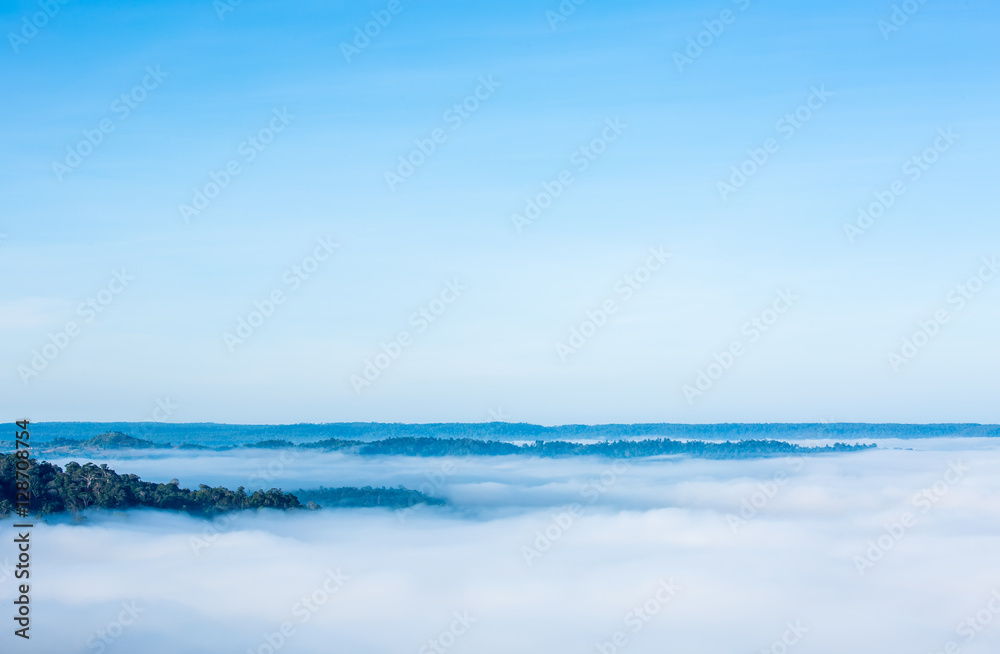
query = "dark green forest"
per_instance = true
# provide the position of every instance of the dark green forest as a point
(88, 486)
(427, 446)
(396, 498)
(78, 487)
(611, 449)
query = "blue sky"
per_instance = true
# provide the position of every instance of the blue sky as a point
(493, 350)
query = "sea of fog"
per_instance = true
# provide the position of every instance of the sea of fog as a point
(885, 550)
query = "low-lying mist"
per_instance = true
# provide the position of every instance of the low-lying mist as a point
(887, 550)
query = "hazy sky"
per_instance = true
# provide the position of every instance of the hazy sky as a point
(290, 121)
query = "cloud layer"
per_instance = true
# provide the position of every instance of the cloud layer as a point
(545, 556)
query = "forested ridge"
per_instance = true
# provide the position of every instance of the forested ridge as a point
(612, 449)
(396, 498)
(78, 487)
(428, 446)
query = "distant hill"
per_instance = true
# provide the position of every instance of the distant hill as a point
(118, 440)
(215, 434)
(112, 440)
(409, 446)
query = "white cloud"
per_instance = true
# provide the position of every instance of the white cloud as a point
(659, 519)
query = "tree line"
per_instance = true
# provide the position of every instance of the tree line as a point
(79, 487)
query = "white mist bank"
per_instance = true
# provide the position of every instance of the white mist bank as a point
(544, 555)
